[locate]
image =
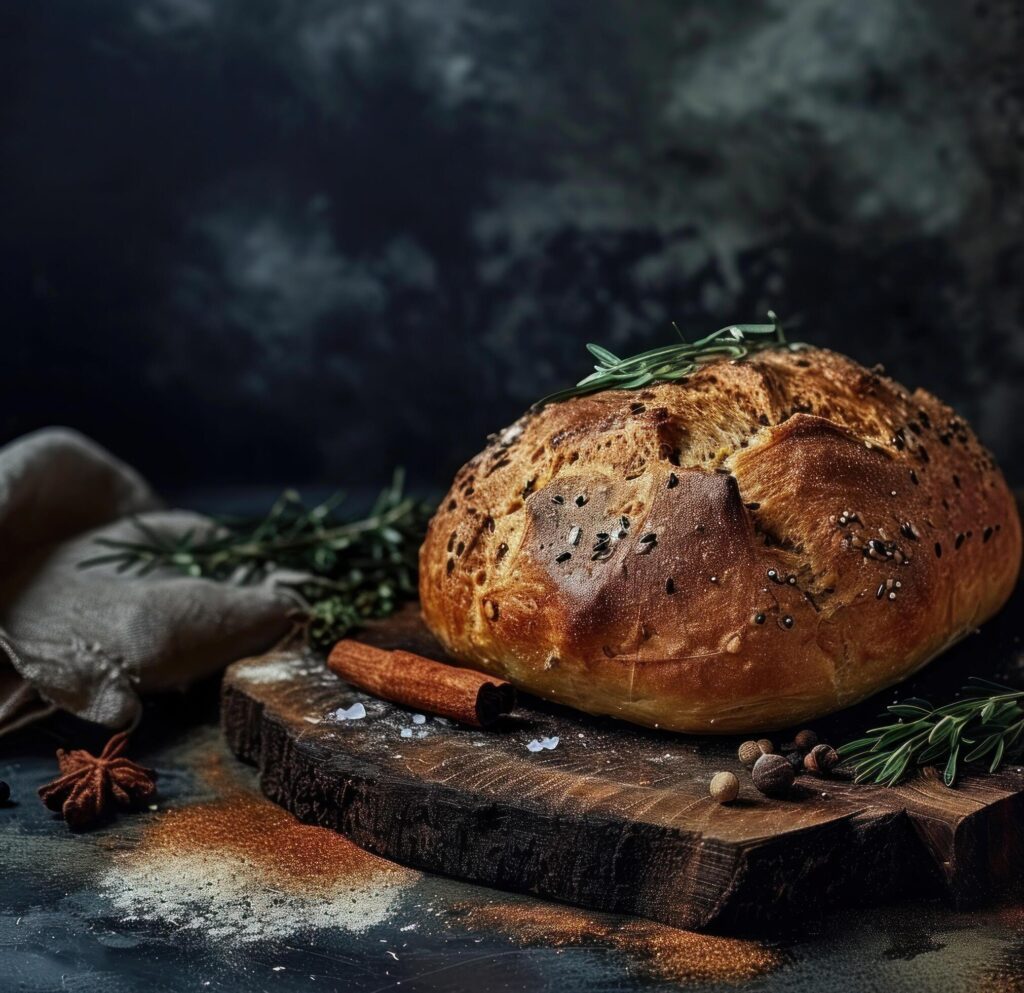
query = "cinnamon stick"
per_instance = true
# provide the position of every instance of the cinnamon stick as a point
(464, 695)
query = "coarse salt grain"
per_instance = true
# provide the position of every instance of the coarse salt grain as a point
(354, 713)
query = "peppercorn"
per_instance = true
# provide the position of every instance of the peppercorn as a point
(796, 760)
(724, 787)
(749, 752)
(821, 759)
(805, 740)
(5, 792)
(772, 775)
(767, 747)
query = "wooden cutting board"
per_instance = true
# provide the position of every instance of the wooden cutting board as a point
(616, 817)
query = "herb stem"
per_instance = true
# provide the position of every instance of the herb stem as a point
(672, 362)
(988, 722)
(351, 569)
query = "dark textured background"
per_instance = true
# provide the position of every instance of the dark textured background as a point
(300, 241)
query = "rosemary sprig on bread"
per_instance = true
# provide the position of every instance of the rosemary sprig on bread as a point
(987, 726)
(672, 362)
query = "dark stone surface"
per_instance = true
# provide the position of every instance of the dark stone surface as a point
(103, 913)
(273, 240)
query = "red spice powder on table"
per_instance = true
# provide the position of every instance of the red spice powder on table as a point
(657, 950)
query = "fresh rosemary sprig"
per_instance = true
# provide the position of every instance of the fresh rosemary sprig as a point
(353, 569)
(672, 362)
(987, 724)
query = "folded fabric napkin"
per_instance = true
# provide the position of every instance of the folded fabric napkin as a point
(91, 640)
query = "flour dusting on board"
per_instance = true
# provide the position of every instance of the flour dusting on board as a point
(273, 670)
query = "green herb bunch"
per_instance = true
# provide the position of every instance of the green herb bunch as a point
(672, 362)
(985, 726)
(353, 569)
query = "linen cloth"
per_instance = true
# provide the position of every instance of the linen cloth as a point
(92, 640)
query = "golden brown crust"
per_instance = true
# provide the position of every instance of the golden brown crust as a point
(785, 536)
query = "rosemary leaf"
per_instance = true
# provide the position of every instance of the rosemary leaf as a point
(672, 362)
(989, 718)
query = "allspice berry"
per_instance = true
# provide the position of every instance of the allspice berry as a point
(821, 759)
(805, 740)
(767, 746)
(773, 775)
(749, 753)
(724, 787)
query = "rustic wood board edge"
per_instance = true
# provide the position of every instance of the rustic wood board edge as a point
(876, 845)
(596, 862)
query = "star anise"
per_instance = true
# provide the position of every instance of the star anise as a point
(90, 786)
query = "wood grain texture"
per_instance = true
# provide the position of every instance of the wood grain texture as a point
(616, 817)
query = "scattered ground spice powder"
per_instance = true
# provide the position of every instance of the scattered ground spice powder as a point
(660, 951)
(267, 838)
(240, 868)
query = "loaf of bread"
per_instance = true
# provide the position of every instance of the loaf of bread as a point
(766, 542)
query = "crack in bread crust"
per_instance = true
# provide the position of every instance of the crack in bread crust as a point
(760, 544)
